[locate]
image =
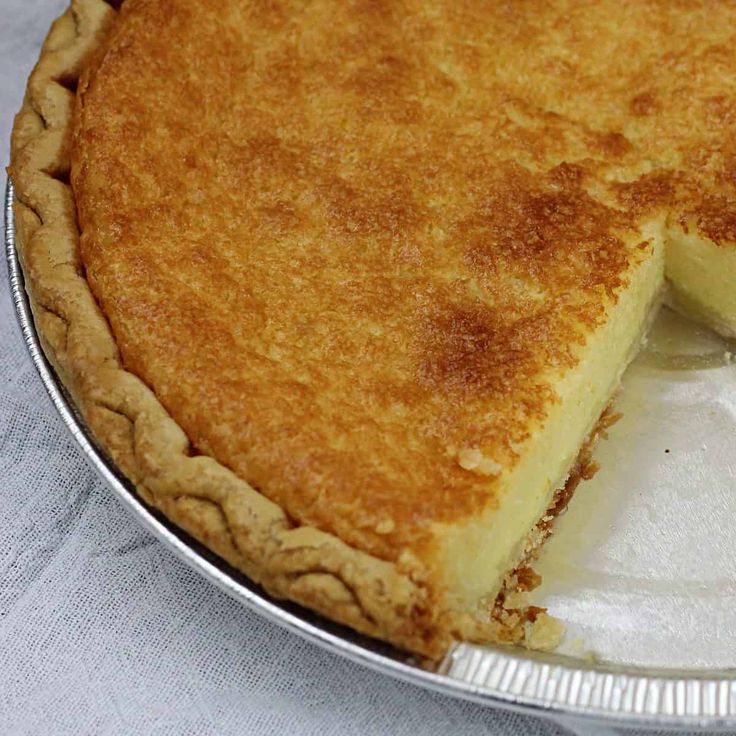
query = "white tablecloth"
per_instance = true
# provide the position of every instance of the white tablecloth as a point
(102, 630)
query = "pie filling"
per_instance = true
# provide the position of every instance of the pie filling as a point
(701, 276)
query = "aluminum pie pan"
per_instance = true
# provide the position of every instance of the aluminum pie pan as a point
(573, 686)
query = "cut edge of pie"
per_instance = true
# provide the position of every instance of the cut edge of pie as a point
(393, 601)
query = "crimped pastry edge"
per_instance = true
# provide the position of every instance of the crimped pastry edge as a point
(390, 601)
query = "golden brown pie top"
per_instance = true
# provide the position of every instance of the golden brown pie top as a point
(348, 244)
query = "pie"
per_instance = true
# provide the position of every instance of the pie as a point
(345, 288)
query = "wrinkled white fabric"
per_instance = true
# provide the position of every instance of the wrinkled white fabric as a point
(103, 631)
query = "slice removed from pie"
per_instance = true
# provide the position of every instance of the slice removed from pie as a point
(342, 296)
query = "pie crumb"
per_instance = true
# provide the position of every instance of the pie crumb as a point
(385, 526)
(515, 599)
(471, 458)
(545, 633)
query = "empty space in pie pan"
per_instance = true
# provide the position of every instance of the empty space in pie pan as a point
(641, 567)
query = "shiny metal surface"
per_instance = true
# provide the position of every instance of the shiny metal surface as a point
(649, 643)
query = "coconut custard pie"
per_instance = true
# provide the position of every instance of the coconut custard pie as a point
(344, 286)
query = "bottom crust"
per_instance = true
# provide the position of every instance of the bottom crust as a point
(522, 621)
